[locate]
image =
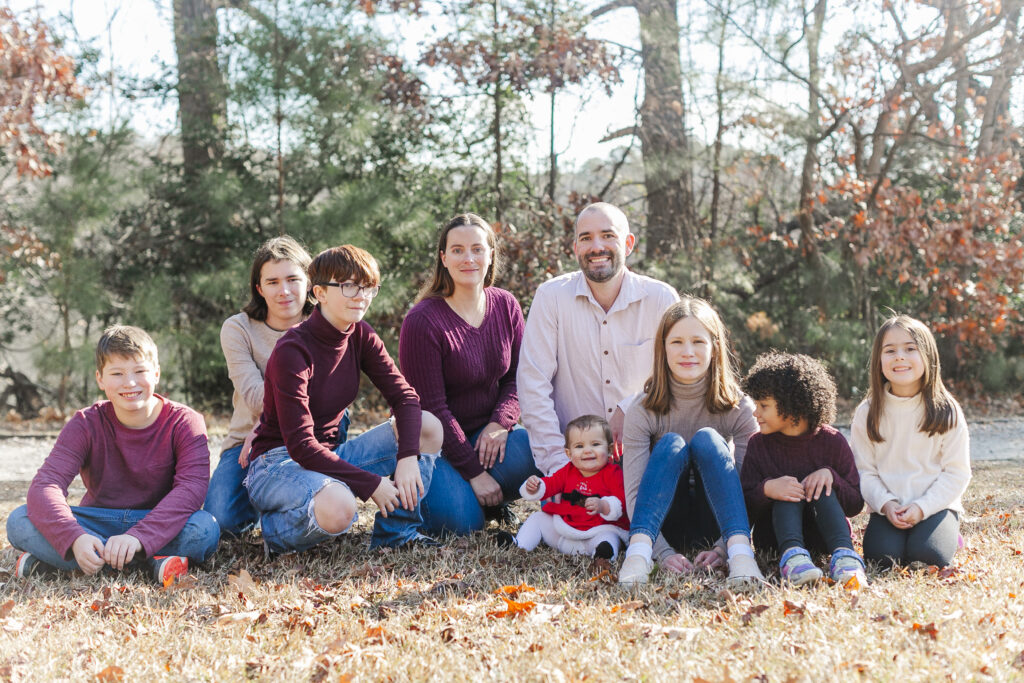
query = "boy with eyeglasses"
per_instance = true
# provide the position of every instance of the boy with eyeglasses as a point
(303, 483)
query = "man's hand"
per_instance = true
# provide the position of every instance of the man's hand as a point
(408, 482)
(910, 514)
(618, 418)
(385, 496)
(88, 551)
(486, 490)
(817, 481)
(490, 445)
(677, 563)
(532, 484)
(119, 550)
(892, 512)
(784, 488)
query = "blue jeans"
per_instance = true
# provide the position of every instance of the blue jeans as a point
(283, 491)
(451, 507)
(197, 540)
(227, 499)
(666, 485)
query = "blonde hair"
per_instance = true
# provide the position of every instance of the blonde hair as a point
(939, 410)
(126, 341)
(723, 392)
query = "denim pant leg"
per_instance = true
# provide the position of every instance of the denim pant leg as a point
(24, 536)
(713, 460)
(197, 540)
(669, 459)
(451, 507)
(226, 499)
(283, 492)
(376, 451)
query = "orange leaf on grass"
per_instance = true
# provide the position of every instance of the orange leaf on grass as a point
(242, 582)
(112, 674)
(927, 630)
(792, 608)
(512, 609)
(513, 591)
(377, 635)
(629, 606)
(6, 608)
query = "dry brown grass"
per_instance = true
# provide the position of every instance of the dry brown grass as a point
(343, 613)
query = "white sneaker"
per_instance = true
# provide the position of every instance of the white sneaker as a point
(743, 572)
(635, 570)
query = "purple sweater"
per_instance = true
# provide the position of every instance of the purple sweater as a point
(465, 375)
(164, 468)
(311, 378)
(770, 456)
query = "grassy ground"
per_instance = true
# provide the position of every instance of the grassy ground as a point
(343, 613)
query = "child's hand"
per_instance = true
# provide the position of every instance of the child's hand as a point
(88, 553)
(119, 550)
(385, 496)
(709, 559)
(784, 488)
(596, 506)
(677, 563)
(910, 514)
(817, 481)
(408, 482)
(891, 511)
(533, 484)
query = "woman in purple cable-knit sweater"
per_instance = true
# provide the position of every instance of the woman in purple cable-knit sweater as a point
(459, 348)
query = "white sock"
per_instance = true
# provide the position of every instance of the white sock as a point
(645, 550)
(739, 549)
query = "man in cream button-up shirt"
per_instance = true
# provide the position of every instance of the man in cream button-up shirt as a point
(589, 336)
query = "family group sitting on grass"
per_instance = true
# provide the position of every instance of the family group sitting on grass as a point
(607, 362)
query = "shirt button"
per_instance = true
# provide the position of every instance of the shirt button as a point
(609, 410)
(606, 353)
(604, 322)
(607, 381)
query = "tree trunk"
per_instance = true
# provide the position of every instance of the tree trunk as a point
(202, 100)
(670, 212)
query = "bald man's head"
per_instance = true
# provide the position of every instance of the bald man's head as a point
(602, 242)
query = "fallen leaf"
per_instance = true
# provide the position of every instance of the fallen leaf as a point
(512, 609)
(514, 591)
(5, 609)
(377, 635)
(1019, 661)
(630, 606)
(535, 647)
(112, 674)
(753, 612)
(236, 617)
(242, 582)
(927, 630)
(792, 608)
(853, 584)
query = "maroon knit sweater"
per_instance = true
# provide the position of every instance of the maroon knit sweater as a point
(312, 377)
(770, 456)
(464, 375)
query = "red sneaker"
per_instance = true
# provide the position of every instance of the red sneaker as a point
(167, 568)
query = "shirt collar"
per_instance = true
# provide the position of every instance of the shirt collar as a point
(323, 331)
(630, 292)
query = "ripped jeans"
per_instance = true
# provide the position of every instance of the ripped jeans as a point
(282, 491)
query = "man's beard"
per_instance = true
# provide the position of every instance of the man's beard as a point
(604, 273)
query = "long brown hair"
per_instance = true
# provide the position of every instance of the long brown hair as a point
(939, 413)
(441, 284)
(283, 248)
(723, 392)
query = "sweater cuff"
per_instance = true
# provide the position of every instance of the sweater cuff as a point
(614, 508)
(532, 496)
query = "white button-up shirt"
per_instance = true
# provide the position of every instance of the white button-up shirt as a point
(576, 359)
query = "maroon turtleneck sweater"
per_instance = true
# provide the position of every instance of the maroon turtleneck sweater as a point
(311, 378)
(770, 456)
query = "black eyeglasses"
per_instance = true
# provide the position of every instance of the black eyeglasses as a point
(351, 289)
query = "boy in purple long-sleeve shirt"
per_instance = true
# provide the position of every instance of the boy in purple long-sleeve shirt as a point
(145, 464)
(799, 475)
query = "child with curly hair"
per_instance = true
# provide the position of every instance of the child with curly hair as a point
(799, 478)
